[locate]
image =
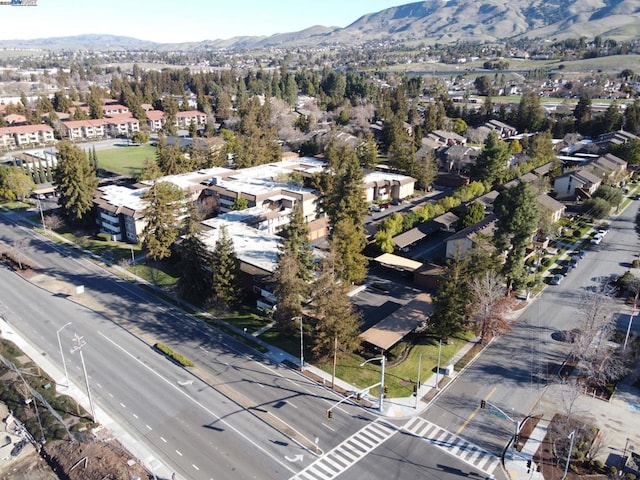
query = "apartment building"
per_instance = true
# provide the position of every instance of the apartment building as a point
(24, 136)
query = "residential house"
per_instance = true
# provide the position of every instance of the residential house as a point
(610, 168)
(460, 158)
(576, 183)
(443, 137)
(383, 186)
(463, 241)
(551, 207)
(502, 129)
(114, 109)
(14, 119)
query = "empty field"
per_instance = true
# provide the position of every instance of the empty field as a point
(125, 160)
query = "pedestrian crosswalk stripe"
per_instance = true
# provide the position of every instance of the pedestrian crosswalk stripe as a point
(350, 451)
(453, 444)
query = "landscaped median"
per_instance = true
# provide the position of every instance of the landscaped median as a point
(176, 357)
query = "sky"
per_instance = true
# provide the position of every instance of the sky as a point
(169, 21)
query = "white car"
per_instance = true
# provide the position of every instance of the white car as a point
(597, 239)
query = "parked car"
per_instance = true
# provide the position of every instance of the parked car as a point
(597, 239)
(580, 254)
(556, 279)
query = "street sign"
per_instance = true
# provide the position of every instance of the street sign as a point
(497, 413)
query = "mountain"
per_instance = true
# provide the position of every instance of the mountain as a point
(91, 41)
(431, 21)
(493, 20)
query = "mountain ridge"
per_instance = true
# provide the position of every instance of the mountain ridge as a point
(427, 22)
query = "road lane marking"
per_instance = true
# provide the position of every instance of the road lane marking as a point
(195, 466)
(473, 414)
(291, 404)
(97, 385)
(162, 438)
(135, 416)
(179, 452)
(123, 405)
(148, 427)
(325, 425)
(199, 404)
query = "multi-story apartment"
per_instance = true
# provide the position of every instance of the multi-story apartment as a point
(23, 136)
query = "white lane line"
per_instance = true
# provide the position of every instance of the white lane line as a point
(135, 416)
(97, 385)
(196, 402)
(123, 405)
(261, 385)
(111, 394)
(178, 452)
(327, 426)
(162, 438)
(195, 466)
(291, 404)
(148, 427)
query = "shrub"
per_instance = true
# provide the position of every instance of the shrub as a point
(577, 233)
(630, 476)
(598, 465)
(105, 237)
(185, 362)
(613, 471)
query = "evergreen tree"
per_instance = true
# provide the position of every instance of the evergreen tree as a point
(472, 215)
(195, 281)
(296, 234)
(530, 114)
(76, 181)
(336, 320)
(518, 216)
(492, 164)
(226, 272)
(451, 300)
(161, 215)
(582, 114)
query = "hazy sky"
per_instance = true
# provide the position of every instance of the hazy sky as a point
(180, 20)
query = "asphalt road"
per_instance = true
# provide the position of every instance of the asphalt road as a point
(514, 370)
(242, 386)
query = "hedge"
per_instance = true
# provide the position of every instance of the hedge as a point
(185, 362)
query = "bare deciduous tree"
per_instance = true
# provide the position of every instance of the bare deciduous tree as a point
(490, 307)
(53, 221)
(601, 361)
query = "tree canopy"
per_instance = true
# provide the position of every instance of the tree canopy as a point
(76, 180)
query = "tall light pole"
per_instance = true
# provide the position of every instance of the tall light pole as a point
(80, 343)
(633, 312)
(64, 364)
(383, 360)
(301, 343)
(44, 225)
(566, 467)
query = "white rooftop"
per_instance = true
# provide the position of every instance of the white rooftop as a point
(120, 196)
(186, 180)
(252, 246)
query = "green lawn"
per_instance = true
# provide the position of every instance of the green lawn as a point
(125, 160)
(153, 274)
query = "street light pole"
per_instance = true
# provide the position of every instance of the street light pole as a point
(382, 360)
(80, 343)
(566, 467)
(633, 312)
(438, 366)
(64, 364)
(301, 344)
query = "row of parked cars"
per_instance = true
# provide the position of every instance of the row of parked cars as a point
(570, 264)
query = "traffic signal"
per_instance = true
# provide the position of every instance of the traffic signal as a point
(415, 389)
(516, 438)
(528, 466)
(483, 404)
(384, 391)
(329, 414)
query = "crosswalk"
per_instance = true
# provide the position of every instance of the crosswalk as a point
(354, 448)
(453, 444)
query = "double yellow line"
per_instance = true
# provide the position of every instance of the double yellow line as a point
(473, 414)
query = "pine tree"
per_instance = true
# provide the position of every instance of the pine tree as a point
(195, 281)
(226, 272)
(451, 300)
(518, 217)
(76, 181)
(335, 317)
(293, 272)
(491, 166)
(161, 214)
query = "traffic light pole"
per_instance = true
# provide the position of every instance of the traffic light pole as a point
(498, 412)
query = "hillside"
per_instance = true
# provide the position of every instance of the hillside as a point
(429, 22)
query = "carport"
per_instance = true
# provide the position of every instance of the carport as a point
(389, 331)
